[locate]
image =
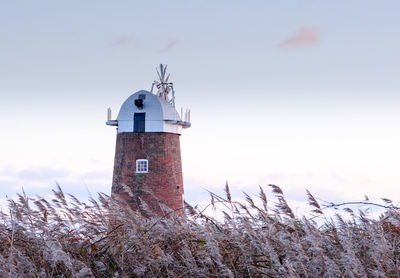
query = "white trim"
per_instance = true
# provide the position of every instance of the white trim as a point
(142, 166)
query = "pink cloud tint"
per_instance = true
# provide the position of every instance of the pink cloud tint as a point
(171, 43)
(125, 40)
(305, 36)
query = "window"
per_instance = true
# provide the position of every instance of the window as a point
(142, 166)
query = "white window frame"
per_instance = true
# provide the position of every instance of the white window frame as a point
(142, 167)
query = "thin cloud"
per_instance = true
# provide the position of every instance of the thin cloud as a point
(305, 36)
(39, 180)
(125, 41)
(41, 173)
(170, 44)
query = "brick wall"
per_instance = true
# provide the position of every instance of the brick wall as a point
(163, 183)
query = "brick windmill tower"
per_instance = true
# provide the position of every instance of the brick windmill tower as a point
(147, 166)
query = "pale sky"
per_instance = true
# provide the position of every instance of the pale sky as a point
(302, 94)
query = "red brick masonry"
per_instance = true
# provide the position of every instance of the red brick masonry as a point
(163, 183)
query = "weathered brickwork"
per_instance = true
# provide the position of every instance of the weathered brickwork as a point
(163, 183)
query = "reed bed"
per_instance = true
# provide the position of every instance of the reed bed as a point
(65, 237)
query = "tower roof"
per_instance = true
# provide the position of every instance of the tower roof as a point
(160, 115)
(153, 112)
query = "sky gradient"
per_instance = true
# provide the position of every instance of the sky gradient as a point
(303, 94)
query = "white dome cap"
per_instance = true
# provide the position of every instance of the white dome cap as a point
(160, 115)
(151, 112)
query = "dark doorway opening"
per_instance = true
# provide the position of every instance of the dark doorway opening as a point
(139, 122)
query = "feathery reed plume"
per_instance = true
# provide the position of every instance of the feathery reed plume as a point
(313, 202)
(263, 198)
(227, 191)
(282, 205)
(276, 189)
